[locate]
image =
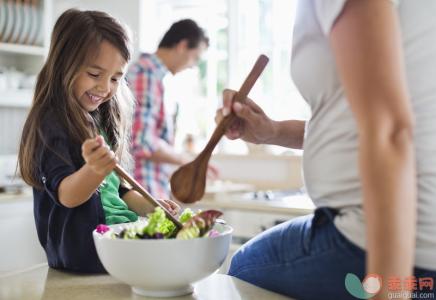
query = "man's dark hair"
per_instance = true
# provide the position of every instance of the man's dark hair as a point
(185, 29)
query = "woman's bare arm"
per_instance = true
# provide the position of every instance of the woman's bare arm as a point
(368, 51)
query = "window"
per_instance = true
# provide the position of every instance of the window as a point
(239, 31)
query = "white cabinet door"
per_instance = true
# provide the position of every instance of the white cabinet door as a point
(20, 247)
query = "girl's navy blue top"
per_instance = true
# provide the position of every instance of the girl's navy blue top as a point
(65, 233)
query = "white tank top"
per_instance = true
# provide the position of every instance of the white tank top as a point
(330, 161)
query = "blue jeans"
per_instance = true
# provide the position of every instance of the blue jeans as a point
(305, 258)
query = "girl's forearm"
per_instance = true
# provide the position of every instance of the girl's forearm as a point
(79, 186)
(136, 202)
(289, 133)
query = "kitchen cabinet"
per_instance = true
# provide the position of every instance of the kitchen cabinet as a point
(250, 216)
(20, 247)
(24, 41)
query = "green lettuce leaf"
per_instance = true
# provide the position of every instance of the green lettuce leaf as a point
(158, 224)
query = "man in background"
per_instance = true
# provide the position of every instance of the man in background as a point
(153, 128)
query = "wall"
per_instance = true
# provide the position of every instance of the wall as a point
(262, 170)
(128, 12)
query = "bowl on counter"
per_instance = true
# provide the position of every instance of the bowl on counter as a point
(163, 267)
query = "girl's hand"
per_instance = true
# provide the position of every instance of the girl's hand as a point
(98, 156)
(171, 206)
(252, 124)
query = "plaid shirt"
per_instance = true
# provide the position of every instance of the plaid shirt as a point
(151, 124)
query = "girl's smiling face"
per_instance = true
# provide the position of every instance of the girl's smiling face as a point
(98, 81)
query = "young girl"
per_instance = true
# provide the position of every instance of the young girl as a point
(76, 131)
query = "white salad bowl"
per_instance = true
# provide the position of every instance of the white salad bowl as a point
(162, 267)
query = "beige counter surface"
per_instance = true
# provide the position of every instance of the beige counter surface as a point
(41, 282)
(25, 195)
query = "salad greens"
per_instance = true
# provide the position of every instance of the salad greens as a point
(158, 226)
(186, 215)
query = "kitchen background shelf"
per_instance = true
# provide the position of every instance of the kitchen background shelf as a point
(16, 98)
(24, 43)
(22, 49)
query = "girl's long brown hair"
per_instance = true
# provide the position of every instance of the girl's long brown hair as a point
(76, 37)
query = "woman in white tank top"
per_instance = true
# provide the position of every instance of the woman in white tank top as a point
(368, 71)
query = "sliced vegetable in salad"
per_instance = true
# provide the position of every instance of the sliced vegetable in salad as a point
(158, 226)
(198, 225)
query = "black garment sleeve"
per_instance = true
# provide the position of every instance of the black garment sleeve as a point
(55, 161)
(122, 190)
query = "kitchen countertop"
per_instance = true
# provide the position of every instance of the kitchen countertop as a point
(42, 282)
(299, 204)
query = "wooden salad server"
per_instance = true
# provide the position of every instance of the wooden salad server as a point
(189, 181)
(123, 174)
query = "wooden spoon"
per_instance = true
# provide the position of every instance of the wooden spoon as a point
(189, 181)
(123, 174)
